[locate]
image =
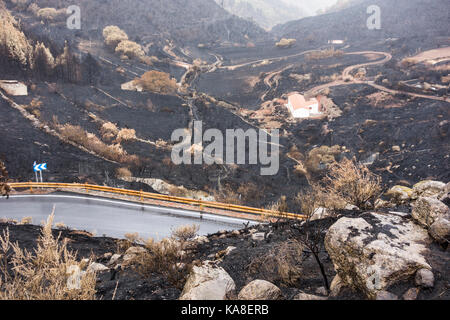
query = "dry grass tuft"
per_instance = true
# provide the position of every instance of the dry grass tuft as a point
(185, 233)
(321, 158)
(281, 264)
(318, 197)
(126, 135)
(280, 206)
(166, 258)
(133, 238)
(109, 131)
(354, 183)
(26, 220)
(227, 194)
(50, 272)
(91, 142)
(123, 173)
(347, 182)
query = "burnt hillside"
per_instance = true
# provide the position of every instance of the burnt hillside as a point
(194, 21)
(404, 19)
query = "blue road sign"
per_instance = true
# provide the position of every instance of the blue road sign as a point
(39, 167)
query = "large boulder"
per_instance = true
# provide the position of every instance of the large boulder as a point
(426, 210)
(374, 251)
(260, 290)
(428, 188)
(208, 282)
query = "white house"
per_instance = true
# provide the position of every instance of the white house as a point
(300, 108)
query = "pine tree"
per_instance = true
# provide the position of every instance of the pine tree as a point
(68, 66)
(44, 62)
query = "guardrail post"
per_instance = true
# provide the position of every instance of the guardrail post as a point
(142, 197)
(86, 188)
(201, 210)
(31, 188)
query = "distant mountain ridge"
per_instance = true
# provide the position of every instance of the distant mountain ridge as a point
(405, 18)
(266, 13)
(193, 21)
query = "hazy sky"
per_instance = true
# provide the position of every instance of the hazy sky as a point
(311, 6)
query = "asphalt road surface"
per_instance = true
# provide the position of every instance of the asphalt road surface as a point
(112, 218)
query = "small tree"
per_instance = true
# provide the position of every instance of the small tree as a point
(159, 82)
(43, 61)
(311, 236)
(113, 35)
(130, 49)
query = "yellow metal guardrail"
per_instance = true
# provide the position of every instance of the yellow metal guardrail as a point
(154, 196)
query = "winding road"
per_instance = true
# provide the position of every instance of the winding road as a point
(348, 79)
(112, 218)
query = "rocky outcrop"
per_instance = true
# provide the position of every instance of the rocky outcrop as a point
(399, 194)
(428, 188)
(208, 282)
(426, 210)
(434, 215)
(374, 251)
(260, 290)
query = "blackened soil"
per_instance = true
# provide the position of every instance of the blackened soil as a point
(126, 284)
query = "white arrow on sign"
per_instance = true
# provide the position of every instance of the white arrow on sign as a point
(38, 168)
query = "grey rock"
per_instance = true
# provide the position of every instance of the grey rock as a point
(425, 278)
(440, 229)
(260, 290)
(375, 251)
(427, 209)
(96, 267)
(208, 282)
(259, 236)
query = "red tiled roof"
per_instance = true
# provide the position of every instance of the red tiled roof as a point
(298, 101)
